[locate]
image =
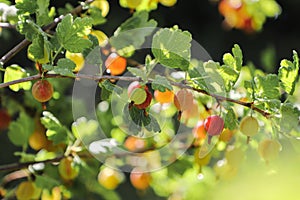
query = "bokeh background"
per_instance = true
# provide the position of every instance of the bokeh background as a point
(277, 39)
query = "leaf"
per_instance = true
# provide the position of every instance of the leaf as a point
(289, 73)
(267, 86)
(26, 6)
(70, 33)
(230, 71)
(132, 33)
(230, 119)
(289, 117)
(65, 67)
(103, 146)
(15, 72)
(43, 16)
(96, 14)
(172, 48)
(111, 87)
(83, 127)
(136, 120)
(138, 72)
(46, 182)
(28, 28)
(20, 130)
(55, 131)
(38, 50)
(161, 83)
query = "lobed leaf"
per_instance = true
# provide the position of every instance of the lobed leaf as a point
(161, 83)
(15, 72)
(289, 73)
(70, 33)
(172, 48)
(21, 129)
(132, 33)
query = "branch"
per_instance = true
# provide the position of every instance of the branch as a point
(15, 166)
(7, 25)
(9, 55)
(98, 78)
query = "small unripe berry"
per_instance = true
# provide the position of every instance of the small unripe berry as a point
(249, 126)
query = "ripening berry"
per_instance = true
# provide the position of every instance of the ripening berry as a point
(27, 190)
(226, 135)
(249, 126)
(68, 169)
(110, 178)
(183, 100)
(38, 139)
(164, 97)
(138, 96)
(115, 64)
(269, 149)
(214, 125)
(77, 58)
(134, 143)
(4, 119)
(234, 156)
(201, 161)
(132, 88)
(168, 3)
(133, 4)
(102, 5)
(199, 132)
(102, 37)
(140, 180)
(42, 90)
(224, 171)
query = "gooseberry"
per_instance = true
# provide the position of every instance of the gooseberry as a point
(42, 90)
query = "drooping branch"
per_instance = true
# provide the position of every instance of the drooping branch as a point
(98, 78)
(10, 54)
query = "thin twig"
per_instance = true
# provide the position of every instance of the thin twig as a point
(99, 78)
(9, 55)
(7, 25)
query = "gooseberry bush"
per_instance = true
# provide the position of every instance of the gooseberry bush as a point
(138, 114)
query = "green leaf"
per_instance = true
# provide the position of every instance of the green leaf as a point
(111, 87)
(230, 119)
(149, 64)
(25, 157)
(83, 127)
(43, 15)
(137, 120)
(93, 58)
(172, 48)
(46, 182)
(96, 14)
(161, 83)
(70, 33)
(132, 33)
(205, 76)
(267, 86)
(138, 72)
(55, 131)
(38, 50)
(289, 73)
(26, 6)
(20, 130)
(230, 71)
(15, 72)
(65, 67)
(289, 117)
